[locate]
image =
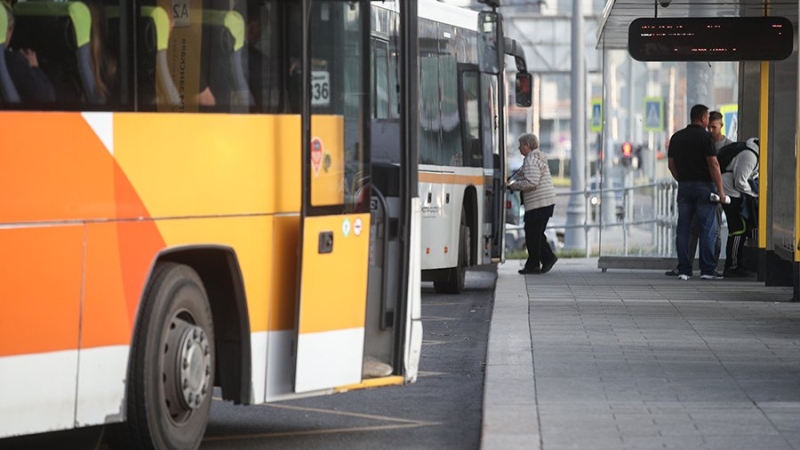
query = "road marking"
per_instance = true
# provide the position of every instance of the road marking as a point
(400, 424)
(425, 373)
(429, 318)
(317, 432)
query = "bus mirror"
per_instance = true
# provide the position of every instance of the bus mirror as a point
(490, 45)
(523, 89)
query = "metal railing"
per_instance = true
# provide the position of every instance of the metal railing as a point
(644, 224)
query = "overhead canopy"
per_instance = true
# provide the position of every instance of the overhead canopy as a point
(618, 14)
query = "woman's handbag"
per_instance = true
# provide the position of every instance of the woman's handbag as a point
(512, 207)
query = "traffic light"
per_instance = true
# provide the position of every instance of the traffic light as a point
(627, 149)
(627, 154)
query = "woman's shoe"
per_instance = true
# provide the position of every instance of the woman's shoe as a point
(549, 265)
(526, 271)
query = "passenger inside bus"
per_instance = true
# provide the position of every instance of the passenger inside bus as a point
(154, 84)
(8, 92)
(223, 83)
(103, 64)
(259, 71)
(264, 77)
(28, 79)
(69, 40)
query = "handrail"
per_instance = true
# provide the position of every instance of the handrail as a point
(663, 220)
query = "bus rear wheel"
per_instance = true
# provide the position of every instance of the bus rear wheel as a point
(171, 374)
(456, 276)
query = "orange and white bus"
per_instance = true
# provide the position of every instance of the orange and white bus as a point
(194, 207)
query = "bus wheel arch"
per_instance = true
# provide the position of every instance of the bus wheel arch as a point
(219, 269)
(451, 281)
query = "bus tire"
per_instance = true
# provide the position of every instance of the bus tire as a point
(456, 276)
(171, 373)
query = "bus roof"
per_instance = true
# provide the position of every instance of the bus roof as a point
(442, 13)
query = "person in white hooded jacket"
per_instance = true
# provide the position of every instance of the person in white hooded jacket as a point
(736, 182)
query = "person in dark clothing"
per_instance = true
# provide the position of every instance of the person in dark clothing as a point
(31, 83)
(693, 163)
(255, 59)
(720, 140)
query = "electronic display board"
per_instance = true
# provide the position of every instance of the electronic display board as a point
(711, 39)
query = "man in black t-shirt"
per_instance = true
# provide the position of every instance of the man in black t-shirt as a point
(693, 163)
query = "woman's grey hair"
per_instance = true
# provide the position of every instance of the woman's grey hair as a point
(530, 140)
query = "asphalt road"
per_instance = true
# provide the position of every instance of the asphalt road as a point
(442, 410)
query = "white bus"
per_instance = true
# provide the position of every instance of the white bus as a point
(462, 128)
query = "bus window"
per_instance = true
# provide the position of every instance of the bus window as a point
(429, 119)
(338, 170)
(71, 44)
(472, 122)
(451, 121)
(262, 40)
(222, 82)
(380, 80)
(489, 115)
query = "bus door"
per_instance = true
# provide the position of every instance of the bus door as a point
(335, 212)
(494, 163)
(492, 133)
(393, 328)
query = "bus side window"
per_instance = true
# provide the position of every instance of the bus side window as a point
(82, 70)
(8, 90)
(266, 81)
(222, 62)
(154, 84)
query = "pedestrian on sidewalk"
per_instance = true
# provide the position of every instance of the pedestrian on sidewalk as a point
(693, 163)
(535, 184)
(720, 140)
(737, 179)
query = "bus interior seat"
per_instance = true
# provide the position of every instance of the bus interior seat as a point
(59, 33)
(157, 18)
(222, 60)
(8, 92)
(151, 59)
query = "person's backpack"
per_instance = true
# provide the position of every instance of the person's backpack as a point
(726, 154)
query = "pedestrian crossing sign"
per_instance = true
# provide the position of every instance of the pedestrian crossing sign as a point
(730, 120)
(596, 122)
(653, 114)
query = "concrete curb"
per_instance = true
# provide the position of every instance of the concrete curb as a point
(510, 416)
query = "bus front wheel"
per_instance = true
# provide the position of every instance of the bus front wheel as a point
(171, 374)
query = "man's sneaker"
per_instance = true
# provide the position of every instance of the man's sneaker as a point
(712, 276)
(738, 272)
(672, 273)
(683, 277)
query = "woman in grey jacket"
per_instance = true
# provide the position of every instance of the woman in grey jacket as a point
(535, 184)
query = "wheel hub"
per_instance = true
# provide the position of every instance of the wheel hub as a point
(187, 369)
(194, 367)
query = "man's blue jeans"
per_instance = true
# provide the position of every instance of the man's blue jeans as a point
(694, 199)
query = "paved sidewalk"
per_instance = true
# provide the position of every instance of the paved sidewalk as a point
(632, 359)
